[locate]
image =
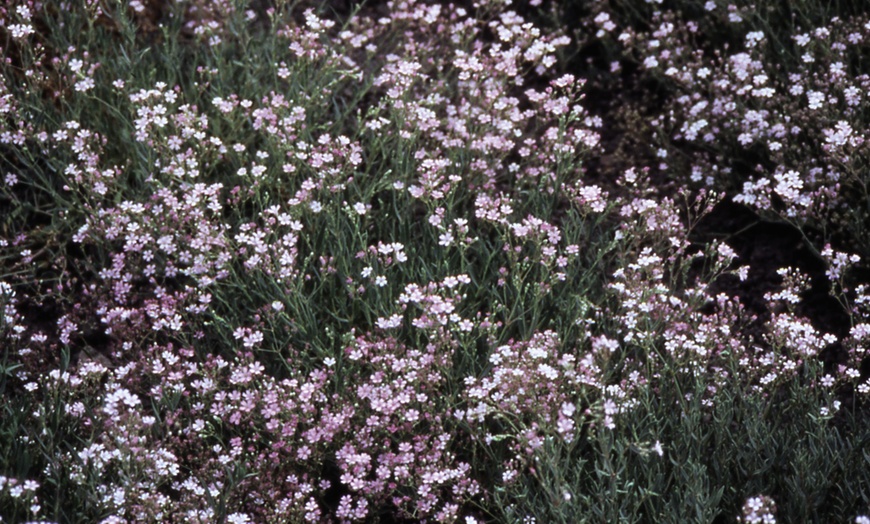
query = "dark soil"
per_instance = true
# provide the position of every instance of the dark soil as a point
(766, 247)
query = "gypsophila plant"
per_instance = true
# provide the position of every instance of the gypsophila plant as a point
(354, 262)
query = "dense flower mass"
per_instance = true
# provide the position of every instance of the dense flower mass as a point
(433, 262)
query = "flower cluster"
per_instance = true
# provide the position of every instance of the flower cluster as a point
(758, 510)
(523, 377)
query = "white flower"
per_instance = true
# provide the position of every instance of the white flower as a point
(389, 323)
(84, 85)
(238, 518)
(788, 185)
(753, 38)
(841, 135)
(24, 12)
(20, 31)
(815, 99)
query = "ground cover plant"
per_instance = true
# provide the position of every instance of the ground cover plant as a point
(421, 261)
